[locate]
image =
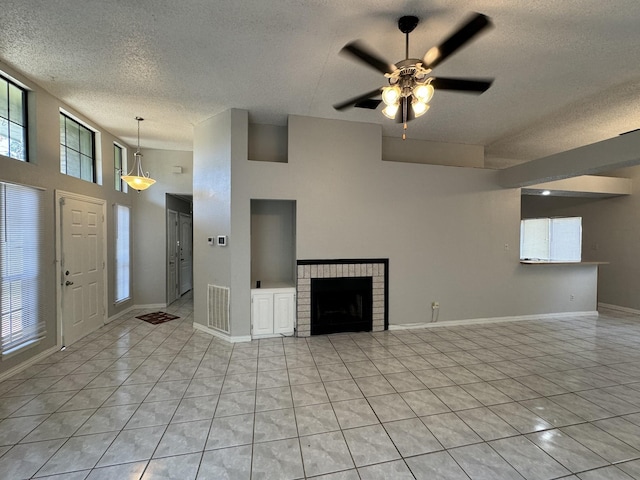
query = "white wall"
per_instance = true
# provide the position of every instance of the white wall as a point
(149, 220)
(444, 229)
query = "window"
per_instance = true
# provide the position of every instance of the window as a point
(551, 239)
(77, 149)
(123, 256)
(120, 167)
(13, 120)
(21, 216)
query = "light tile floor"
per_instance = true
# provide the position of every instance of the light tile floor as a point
(553, 398)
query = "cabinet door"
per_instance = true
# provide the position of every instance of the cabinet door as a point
(262, 313)
(283, 312)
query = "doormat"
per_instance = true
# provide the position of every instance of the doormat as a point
(156, 318)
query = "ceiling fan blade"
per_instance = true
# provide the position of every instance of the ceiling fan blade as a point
(360, 98)
(369, 103)
(462, 84)
(456, 41)
(359, 51)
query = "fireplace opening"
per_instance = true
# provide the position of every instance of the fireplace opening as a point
(341, 305)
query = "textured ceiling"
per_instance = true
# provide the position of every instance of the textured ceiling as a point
(566, 73)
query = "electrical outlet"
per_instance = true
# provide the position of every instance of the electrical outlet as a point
(435, 305)
(506, 247)
(572, 297)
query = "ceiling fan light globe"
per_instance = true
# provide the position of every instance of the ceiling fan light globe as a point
(423, 93)
(419, 108)
(391, 95)
(390, 111)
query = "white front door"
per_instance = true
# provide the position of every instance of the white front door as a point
(186, 246)
(82, 265)
(172, 256)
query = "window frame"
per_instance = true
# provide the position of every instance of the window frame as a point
(23, 232)
(545, 239)
(119, 184)
(94, 138)
(25, 115)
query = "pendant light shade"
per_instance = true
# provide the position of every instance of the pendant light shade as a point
(137, 178)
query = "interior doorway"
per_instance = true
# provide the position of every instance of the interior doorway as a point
(179, 241)
(173, 232)
(186, 256)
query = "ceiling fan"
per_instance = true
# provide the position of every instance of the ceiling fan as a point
(411, 85)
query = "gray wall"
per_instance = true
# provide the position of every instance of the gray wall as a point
(149, 262)
(211, 208)
(273, 249)
(43, 170)
(444, 229)
(610, 231)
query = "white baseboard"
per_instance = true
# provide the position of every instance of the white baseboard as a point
(120, 314)
(273, 335)
(221, 335)
(27, 363)
(475, 321)
(618, 308)
(150, 305)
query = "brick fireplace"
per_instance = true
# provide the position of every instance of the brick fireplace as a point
(377, 270)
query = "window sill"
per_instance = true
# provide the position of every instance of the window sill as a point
(18, 350)
(121, 302)
(549, 262)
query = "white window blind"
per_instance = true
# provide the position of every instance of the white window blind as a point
(534, 239)
(551, 239)
(21, 215)
(123, 256)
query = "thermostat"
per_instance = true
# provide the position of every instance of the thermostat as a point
(222, 240)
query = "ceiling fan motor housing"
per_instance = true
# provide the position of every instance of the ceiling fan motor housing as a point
(408, 23)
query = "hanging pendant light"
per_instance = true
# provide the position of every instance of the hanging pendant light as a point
(137, 178)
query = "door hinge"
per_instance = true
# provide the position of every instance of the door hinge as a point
(62, 201)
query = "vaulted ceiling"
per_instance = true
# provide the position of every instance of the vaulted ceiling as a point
(566, 73)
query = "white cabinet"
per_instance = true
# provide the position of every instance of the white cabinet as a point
(262, 313)
(272, 311)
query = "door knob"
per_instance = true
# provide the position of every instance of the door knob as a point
(67, 283)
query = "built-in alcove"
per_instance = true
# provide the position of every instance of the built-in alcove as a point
(273, 243)
(268, 143)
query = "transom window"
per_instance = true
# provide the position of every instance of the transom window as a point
(13, 120)
(77, 149)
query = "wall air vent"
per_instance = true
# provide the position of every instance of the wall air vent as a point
(218, 308)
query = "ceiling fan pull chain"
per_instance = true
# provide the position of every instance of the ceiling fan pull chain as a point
(404, 117)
